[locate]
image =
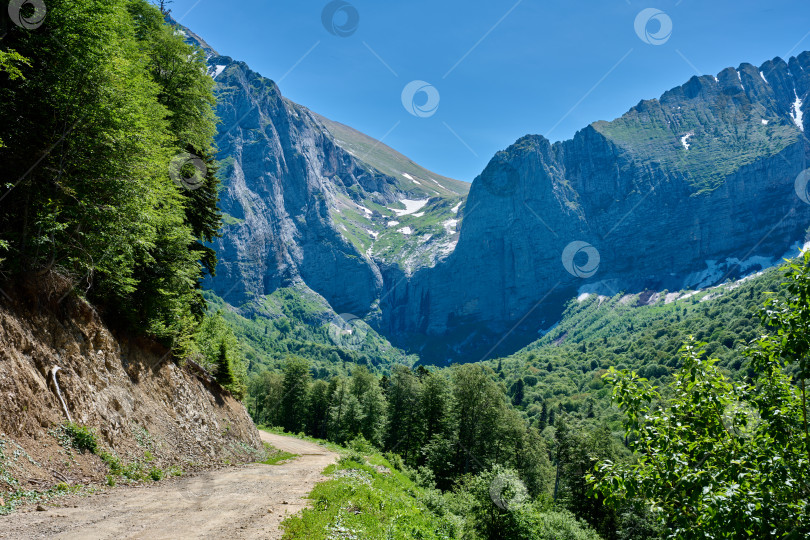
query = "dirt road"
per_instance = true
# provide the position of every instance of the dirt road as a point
(246, 502)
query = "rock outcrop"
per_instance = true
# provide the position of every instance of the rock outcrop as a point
(142, 406)
(287, 181)
(679, 192)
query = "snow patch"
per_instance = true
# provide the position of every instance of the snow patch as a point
(418, 214)
(796, 112)
(704, 278)
(411, 178)
(406, 230)
(216, 71)
(426, 237)
(456, 207)
(411, 206)
(373, 234)
(685, 139)
(450, 224)
(393, 223)
(764, 122)
(365, 210)
(763, 77)
(582, 297)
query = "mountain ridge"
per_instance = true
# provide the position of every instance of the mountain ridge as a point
(620, 187)
(452, 275)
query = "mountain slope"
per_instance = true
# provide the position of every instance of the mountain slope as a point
(301, 206)
(683, 191)
(390, 162)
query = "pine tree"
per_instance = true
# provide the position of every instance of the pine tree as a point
(294, 399)
(224, 373)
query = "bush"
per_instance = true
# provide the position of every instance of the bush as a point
(81, 438)
(156, 474)
(496, 504)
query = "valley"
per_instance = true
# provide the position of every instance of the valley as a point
(225, 314)
(445, 269)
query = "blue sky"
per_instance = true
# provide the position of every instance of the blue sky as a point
(500, 69)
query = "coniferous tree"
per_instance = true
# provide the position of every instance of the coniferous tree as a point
(224, 373)
(294, 398)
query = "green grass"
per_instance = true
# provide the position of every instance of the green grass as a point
(274, 456)
(368, 498)
(725, 138)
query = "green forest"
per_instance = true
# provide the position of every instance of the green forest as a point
(706, 446)
(108, 179)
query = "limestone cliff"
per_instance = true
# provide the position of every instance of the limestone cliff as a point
(679, 192)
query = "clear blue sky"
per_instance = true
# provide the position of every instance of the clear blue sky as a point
(537, 71)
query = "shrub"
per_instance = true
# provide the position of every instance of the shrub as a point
(81, 438)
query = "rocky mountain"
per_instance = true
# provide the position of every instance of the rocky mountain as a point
(310, 200)
(683, 191)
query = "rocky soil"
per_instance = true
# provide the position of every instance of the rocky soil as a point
(142, 405)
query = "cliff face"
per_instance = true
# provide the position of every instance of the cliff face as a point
(281, 172)
(129, 391)
(679, 192)
(682, 191)
(298, 205)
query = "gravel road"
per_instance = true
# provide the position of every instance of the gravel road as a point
(238, 503)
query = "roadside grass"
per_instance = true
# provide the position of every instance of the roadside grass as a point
(370, 496)
(274, 456)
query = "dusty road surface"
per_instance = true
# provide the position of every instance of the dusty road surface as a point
(246, 502)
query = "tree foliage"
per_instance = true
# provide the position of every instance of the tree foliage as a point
(718, 459)
(102, 97)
